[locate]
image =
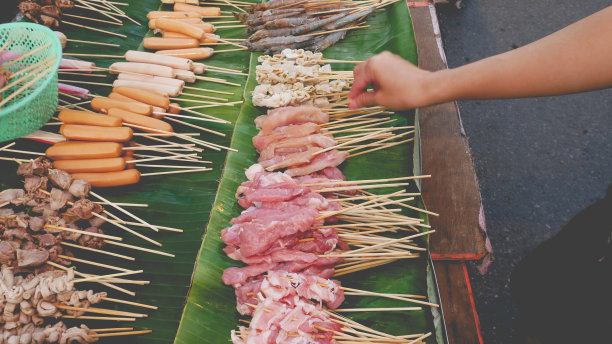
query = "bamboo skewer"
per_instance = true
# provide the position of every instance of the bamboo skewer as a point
(101, 311)
(121, 333)
(112, 329)
(136, 304)
(124, 211)
(204, 169)
(91, 42)
(28, 54)
(84, 232)
(139, 248)
(97, 250)
(86, 317)
(131, 293)
(388, 309)
(103, 277)
(78, 260)
(91, 19)
(93, 29)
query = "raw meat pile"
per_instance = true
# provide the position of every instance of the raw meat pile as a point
(281, 234)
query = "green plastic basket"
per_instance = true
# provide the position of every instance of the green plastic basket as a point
(32, 108)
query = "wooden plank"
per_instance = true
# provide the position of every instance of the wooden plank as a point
(460, 315)
(453, 190)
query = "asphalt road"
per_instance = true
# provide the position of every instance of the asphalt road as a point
(539, 161)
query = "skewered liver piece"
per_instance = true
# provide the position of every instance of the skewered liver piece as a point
(38, 166)
(79, 188)
(60, 178)
(58, 199)
(34, 183)
(83, 208)
(32, 257)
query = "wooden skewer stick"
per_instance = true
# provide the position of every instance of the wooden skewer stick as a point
(95, 55)
(7, 146)
(348, 291)
(46, 61)
(131, 293)
(93, 29)
(84, 232)
(97, 250)
(215, 80)
(388, 309)
(86, 317)
(161, 158)
(26, 85)
(91, 42)
(90, 6)
(103, 277)
(231, 27)
(101, 311)
(139, 248)
(92, 19)
(100, 330)
(123, 211)
(64, 72)
(226, 50)
(195, 126)
(111, 267)
(204, 169)
(28, 54)
(127, 229)
(129, 303)
(130, 333)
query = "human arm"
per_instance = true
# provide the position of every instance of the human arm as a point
(576, 58)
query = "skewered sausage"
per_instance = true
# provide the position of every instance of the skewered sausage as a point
(185, 75)
(115, 95)
(163, 89)
(88, 118)
(152, 79)
(192, 54)
(94, 133)
(198, 68)
(192, 31)
(108, 179)
(83, 150)
(144, 96)
(90, 165)
(146, 57)
(153, 22)
(141, 68)
(203, 11)
(157, 43)
(143, 121)
(170, 14)
(103, 104)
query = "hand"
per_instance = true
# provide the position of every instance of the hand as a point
(397, 83)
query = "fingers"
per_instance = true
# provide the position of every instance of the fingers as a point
(363, 78)
(362, 100)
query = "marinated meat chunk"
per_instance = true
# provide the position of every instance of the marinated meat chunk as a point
(58, 199)
(34, 183)
(7, 251)
(36, 223)
(38, 166)
(92, 241)
(60, 178)
(83, 208)
(35, 257)
(79, 188)
(15, 196)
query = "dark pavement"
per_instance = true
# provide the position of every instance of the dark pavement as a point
(538, 161)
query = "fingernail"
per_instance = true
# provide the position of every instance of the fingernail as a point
(352, 104)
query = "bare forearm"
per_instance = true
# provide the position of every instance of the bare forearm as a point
(577, 58)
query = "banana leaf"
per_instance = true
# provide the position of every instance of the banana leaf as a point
(181, 201)
(210, 313)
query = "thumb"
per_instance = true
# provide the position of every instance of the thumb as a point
(364, 99)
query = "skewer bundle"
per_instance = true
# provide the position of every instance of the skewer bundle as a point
(37, 225)
(55, 13)
(183, 32)
(312, 25)
(297, 77)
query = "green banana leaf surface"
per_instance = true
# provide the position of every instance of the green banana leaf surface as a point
(210, 313)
